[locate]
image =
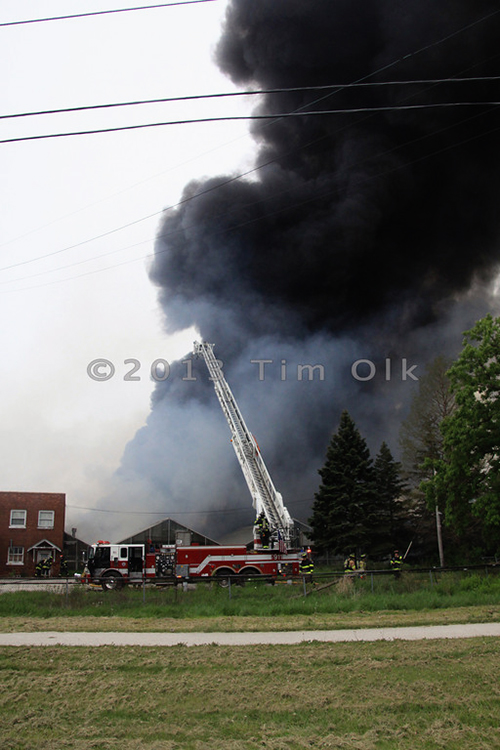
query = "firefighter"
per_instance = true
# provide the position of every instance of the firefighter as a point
(350, 564)
(264, 532)
(396, 563)
(39, 569)
(63, 565)
(85, 575)
(46, 566)
(306, 566)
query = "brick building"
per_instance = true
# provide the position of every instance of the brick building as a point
(31, 529)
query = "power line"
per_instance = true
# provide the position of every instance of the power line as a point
(162, 512)
(143, 218)
(233, 118)
(257, 168)
(335, 87)
(137, 221)
(177, 513)
(246, 223)
(103, 12)
(360, 82)
(201, 193)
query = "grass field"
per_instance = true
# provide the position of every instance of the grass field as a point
(380, 696)
(397, 695)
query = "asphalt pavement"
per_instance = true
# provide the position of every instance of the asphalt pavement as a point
(52, 638)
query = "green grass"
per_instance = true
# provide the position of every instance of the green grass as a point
(203, 601)
(409, 600)
(364, 696)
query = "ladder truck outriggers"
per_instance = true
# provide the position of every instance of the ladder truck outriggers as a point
(114, 565)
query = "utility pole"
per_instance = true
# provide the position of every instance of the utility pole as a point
(439, 537)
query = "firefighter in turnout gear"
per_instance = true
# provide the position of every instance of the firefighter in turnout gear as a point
(46, 566)
(264, 532)
(306, 566)
(63, 565)
(350, 564)
(396, 563)
(39, 569)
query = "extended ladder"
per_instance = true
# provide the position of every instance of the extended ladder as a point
(264, 494)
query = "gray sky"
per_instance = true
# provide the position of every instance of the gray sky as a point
(61, 306)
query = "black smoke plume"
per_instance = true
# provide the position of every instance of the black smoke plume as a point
(372, 235)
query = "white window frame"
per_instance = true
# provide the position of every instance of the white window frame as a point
(45, 525)
(15, 557)
(21, 525)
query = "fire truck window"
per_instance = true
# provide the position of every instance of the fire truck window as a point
(135, 559)
(124, 553)
(102, 556)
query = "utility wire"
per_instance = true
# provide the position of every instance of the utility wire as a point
(255, 92)
(162, 512)
(237, 177)
(233, 118)
(251, 221)
(103, 12)
(143, 218)
(157, 213)
(434, 82)
(140, 220)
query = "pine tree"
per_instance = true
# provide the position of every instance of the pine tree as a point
(389, 488)
(343, 507)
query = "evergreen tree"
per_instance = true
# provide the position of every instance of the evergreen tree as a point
(342, 518)
(389, 487)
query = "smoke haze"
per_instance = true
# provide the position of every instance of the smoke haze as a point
(370, 235)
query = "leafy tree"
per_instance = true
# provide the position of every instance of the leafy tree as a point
(421, 442)
(343, 505)
(466, 479)
(420, 436)
(389, 487)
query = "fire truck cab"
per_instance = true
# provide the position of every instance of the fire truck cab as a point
(112, 565)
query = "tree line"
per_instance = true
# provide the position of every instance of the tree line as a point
(446, 486)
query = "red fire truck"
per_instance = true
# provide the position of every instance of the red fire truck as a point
(112, 565)
(115, 565)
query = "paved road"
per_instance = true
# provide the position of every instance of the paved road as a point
(246, 639)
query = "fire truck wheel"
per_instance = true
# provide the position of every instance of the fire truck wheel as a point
(111, 581)
(223, 576)
(247, 575)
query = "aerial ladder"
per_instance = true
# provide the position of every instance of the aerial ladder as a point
(265, 497)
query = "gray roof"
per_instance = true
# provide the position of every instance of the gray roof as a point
(165, 532)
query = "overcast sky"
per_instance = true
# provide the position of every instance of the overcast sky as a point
(66, 296)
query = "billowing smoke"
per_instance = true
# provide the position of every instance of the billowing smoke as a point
(370, 235)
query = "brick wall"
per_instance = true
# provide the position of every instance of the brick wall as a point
(35, 528)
